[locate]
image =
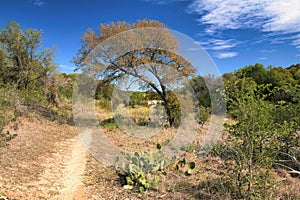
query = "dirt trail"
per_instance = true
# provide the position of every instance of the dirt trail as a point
(45, 161)
(68, 184)
(73, 171)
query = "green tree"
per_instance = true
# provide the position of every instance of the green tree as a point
(200, 88)
(280, 76)
(28, 64)
(3, 63)
(295, 71)
(257, 72)
(252, 139)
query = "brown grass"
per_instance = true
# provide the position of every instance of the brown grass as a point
(22, 161)
(22, 164)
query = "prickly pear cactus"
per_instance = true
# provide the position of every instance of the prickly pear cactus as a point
(142, 169)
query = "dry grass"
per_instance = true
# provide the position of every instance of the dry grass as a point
(22, 161)
(210, 179)
(103, 183)
(129, 143)
(207, 182)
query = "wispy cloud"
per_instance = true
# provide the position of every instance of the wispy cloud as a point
(230, 14)
(219, 44)
(277, 20)
(282, 15)
(223, 55)
(263, 58)
(39, 3)
(269, 16)
(296, 42)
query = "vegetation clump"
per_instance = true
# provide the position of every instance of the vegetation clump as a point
(185, 168)
(142, 170)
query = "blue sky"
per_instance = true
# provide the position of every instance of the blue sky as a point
(235, 33)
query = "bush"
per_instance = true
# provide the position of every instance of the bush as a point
(8, 104)
(104, 104)
(203, 114)
(251, 143)
(140, 115)
(109, 123)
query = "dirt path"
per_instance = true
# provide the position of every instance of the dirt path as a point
(45, 161)
(74, 170)
(64, 171)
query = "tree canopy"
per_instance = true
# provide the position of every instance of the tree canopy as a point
(143, 52)
(22, 60)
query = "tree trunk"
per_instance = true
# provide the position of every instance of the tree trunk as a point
(169, 115)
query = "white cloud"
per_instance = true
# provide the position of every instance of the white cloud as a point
(219, 44)
(271, 15)
(296, 42)
(229, 14)
(277, 16)
(294, 37)
(284, 16)
(263, 58)
(39, 3)
(226, 55)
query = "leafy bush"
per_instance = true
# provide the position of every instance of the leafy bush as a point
(8, 106)
(142, 170)
(109, 123)
(140, 115)
(203, 114)
(104, 103)
(251, 143)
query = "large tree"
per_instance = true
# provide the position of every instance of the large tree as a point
(144, 52)
(23, 61)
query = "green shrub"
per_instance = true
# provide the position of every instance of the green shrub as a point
(8, 107)
(109, 123)
(251, 142)
(104, 103)
(203, 114)
(140, 115)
